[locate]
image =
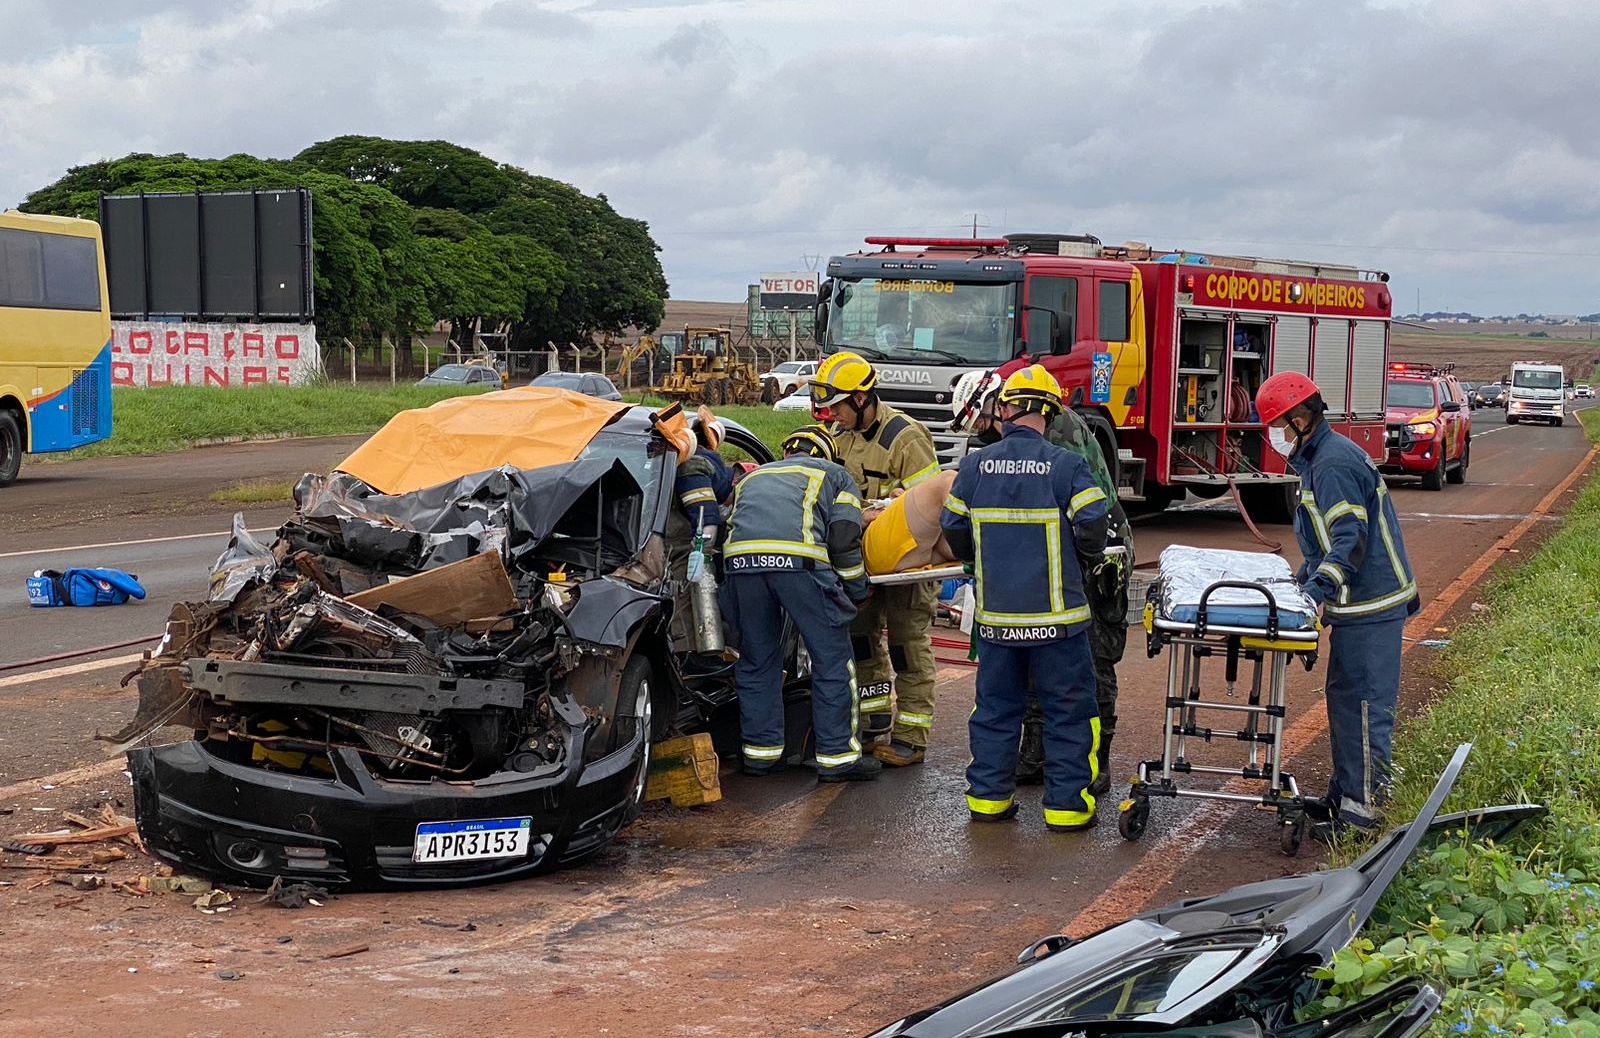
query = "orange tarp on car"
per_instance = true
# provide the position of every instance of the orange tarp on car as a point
(526, 428)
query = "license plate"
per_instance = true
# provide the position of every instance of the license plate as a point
(476, 840)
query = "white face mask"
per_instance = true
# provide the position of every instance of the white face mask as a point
(1279, 441)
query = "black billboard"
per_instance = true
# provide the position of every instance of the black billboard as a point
(209, 254)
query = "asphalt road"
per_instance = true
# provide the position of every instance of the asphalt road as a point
(787, 907)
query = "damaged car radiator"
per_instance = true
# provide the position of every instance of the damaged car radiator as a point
(278, 684)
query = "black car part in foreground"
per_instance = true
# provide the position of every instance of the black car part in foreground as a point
(1234, 965)
(490, 719)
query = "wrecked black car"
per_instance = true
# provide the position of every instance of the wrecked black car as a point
(1238, 964)
(455, 683)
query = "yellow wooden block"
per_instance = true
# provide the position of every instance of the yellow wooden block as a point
(684, 771)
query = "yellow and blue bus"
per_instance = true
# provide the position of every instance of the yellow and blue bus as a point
(55, 337)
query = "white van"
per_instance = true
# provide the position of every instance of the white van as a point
(1536, 393)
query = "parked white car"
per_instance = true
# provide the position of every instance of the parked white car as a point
(799, 400)
(785, 378)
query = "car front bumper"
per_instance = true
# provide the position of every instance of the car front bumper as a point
(244, 824)
(1409, 456)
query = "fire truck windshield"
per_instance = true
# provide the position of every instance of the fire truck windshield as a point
(925, 320)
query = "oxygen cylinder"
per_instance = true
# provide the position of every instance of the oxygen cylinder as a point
(703, 606)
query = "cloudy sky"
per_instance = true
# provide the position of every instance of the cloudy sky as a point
(1453, 143)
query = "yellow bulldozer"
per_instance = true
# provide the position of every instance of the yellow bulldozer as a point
(705, 370)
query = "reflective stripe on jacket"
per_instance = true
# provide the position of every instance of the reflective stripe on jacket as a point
(895, 452)
(784, 514)
(1023, 510)
(1355, 561)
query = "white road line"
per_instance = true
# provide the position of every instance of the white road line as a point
(124, 544)
(11, 681)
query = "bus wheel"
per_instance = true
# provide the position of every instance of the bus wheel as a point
(10, 448)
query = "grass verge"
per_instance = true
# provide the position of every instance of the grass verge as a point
(170, 418)
(1511, 932)
(255, 492)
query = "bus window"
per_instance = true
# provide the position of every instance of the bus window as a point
(55, 338)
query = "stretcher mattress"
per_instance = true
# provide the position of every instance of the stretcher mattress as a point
(1186, 572)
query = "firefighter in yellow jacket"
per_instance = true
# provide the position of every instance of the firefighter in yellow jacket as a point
(887, 452)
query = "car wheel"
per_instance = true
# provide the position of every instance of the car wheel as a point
(10, 448)
(1458, 475)
(636, 707)
(1511, 419)
(1433, 479)
(1558, 422)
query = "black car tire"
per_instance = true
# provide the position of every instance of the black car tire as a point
(1458, 475)
(10, 448)
(1511, 419)
(635, 703)
(1433, 479)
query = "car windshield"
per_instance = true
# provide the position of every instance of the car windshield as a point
(1410, 393)
(788, 367)
(450, 373)
(1529, 379)
(560, 380)
(925, 320)
(640, 454)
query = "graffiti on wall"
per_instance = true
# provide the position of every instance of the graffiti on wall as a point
(157, 353)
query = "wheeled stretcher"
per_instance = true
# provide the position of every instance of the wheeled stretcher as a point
(1241, 618)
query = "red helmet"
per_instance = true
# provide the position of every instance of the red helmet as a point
(1282, 392)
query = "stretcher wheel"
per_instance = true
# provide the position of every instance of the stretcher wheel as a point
(1134, 816)
(1292, 833)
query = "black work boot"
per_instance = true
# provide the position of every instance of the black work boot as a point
(1030, 754)
(1102, 783)
(864, 770)
(1002, 816)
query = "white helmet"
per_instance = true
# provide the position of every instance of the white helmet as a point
(972, 391)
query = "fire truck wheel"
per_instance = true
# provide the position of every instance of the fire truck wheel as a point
(1270, 502)
(1106, 437)
(1458, 475)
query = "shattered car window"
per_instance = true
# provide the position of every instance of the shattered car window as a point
(1136, 990)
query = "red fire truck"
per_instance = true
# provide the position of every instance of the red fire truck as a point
(1161, 352)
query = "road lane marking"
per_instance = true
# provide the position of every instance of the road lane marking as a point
(124, 544)
(67, 671)
(1162, 863)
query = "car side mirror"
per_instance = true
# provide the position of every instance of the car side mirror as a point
(1058, 340)
(1066, 335)
(1450, 405)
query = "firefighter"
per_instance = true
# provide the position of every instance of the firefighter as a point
(1356, 569)
(794, 548)
(887, 452)
(1025, 511)
(1106, 583)
(703, 484)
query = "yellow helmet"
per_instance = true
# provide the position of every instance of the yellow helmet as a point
(1032, 389)
(841, 374)
(814, 440)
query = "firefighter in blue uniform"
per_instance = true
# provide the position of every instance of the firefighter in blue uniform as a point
(704, 481)
(1355, 568)
(794, 547)
(1024, 511)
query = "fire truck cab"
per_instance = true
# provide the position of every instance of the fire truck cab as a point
(1160, 352)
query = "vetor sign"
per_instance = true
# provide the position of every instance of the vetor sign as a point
(789, 291)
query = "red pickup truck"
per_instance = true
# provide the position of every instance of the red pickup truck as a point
(1428, 425)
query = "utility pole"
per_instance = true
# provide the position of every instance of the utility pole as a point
(975, 224)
